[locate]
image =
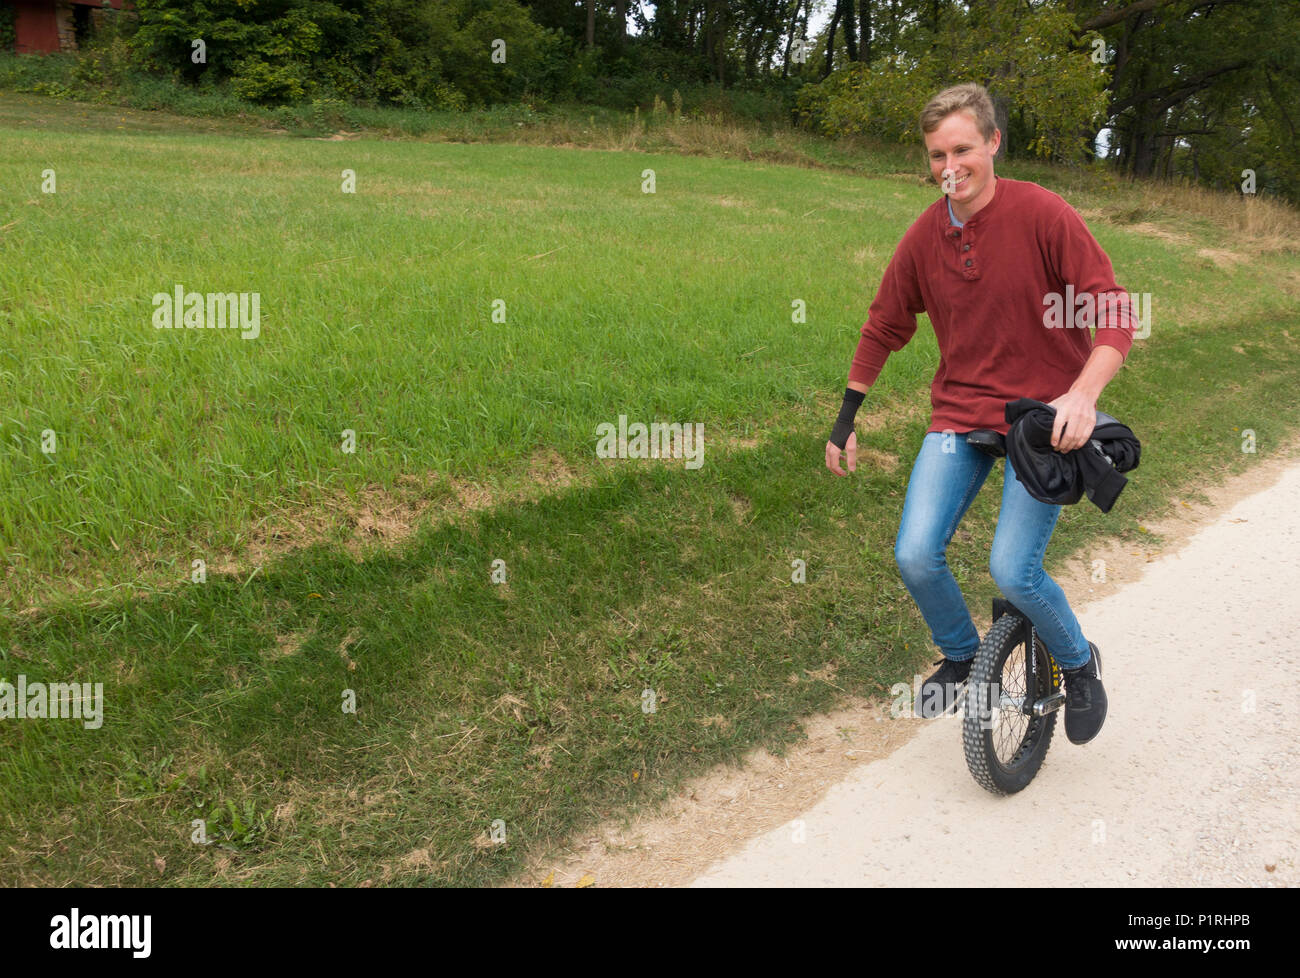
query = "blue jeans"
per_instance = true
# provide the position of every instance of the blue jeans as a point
(941, 488)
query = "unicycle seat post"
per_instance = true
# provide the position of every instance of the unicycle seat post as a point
(1001, 606)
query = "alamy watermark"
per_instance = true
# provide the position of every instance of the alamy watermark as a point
(658, 440)
(1082, 309)
(179, 309)
(73, 931)
(922, 701)
(53, 701)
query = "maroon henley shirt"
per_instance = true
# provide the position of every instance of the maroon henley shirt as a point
(986, 288)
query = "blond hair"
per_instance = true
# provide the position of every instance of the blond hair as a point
(970, 98)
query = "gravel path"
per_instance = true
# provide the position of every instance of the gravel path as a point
(1194, 779)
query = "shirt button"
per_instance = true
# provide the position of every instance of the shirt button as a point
(969, 263)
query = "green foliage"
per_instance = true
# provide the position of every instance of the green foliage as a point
(269, 53)
(240, 826)
(469, 32)
(883, 102)
(420, 53)
(444, 96)
(1030, 58)
(22, 72)
(8, 14)
(1209, 91)
(104, 61)
(54, 89)
(1026, 55)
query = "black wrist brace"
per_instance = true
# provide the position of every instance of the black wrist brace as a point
(844, 423)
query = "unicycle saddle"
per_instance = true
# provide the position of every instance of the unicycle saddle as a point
(988, 441)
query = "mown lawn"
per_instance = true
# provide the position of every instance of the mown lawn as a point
(476, 702)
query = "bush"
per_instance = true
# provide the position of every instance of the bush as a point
(104, 61)
(8, 37)
(884, 102)
(398, 52)
(23, 72)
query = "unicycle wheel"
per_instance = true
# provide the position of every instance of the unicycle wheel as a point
(1003, 741)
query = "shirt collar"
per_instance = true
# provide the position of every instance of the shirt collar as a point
(988, 208)
(998, 194)
(952, 218)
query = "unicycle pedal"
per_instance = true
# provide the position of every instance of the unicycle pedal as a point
(1049, 704)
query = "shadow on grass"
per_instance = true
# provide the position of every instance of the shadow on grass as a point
(524, 703)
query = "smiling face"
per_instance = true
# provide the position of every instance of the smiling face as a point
(957, 148)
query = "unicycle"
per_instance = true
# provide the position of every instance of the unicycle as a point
(1013, 690)
(1012, 695)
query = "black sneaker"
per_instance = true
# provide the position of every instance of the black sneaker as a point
(1085, 700)
(939, 693)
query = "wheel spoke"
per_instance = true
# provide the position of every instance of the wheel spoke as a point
(1012, 722)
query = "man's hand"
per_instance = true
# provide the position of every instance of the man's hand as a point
(850, 452)
(1076, 416)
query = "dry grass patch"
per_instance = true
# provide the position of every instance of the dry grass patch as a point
(1220, 257)
(1255, 225)
(740, 506)
(1177, 237)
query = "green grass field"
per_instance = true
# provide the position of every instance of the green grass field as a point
(477, 701)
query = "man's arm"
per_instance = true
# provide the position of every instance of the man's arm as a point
(891, 322)
(1076, 409)
(1079, 261)
(1102, 366)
